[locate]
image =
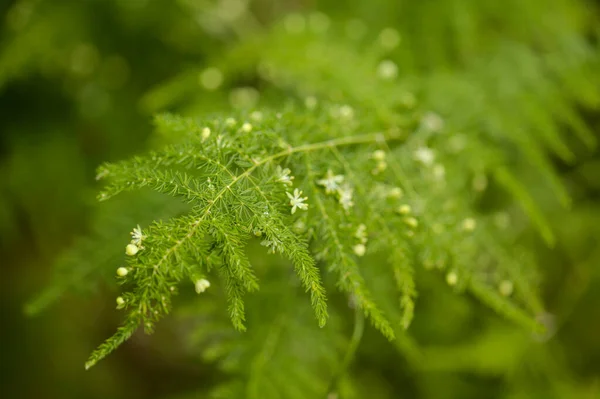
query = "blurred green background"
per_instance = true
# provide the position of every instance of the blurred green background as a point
(79, 82)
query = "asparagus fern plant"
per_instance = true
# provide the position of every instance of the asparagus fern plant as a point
(358, 171)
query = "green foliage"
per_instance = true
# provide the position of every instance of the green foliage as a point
(311, 172)
(235, 174)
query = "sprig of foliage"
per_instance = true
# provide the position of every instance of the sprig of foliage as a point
(351, 195)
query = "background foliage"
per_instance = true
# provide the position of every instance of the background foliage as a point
(80, 81)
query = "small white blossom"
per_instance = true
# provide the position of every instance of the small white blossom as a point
(201, 285)
(230, 122)
(395, 192)
(378, 155)
(296, 201)
(452, 278)
(424, 155)
(432, 122)
(122, 272)
(381, 166)
(284, 176)
(331, 182)
(359, 249)
(205, 133)
(346, 112)
(102, 173)
(272, 245)
(469, 224)
(120, 302)
(246, 127)
(361, 233)
(411, 222)
(345, 199)
(404, 209)
(131, 249)
(137, 236)
(387, 70)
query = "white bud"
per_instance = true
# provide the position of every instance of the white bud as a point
(452, 278)
(359, 249)
(201, 285)
(131, 249)
(122, 272)
(381, 166)
(230, 122)
(387, 70)
(469, 224)
(120, 302)
(395, 192)
(379, 155)
(205, 133)
(432, 122)
(246, 127)
(412, 222)
(404, 209)
(346, 112)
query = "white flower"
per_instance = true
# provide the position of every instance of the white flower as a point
(284, 176)
(131, 249)
(346, 112)
(205, 133)
(361, 233)
(122, 272)
(137, 236)
(387, 70)
(345, 200)
(424, 155)
(404, 209)
(432, 122)
(395, 192)
(272, 245)
(331, 182)
(296, 201)
(411, 222)
(246, 127)
(469, 224)
(378, 155)
(452, 278)
(359, 249)
(201, 285)
(102, 173)
(120, 302)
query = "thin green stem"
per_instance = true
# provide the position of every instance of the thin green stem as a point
(357, 333)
